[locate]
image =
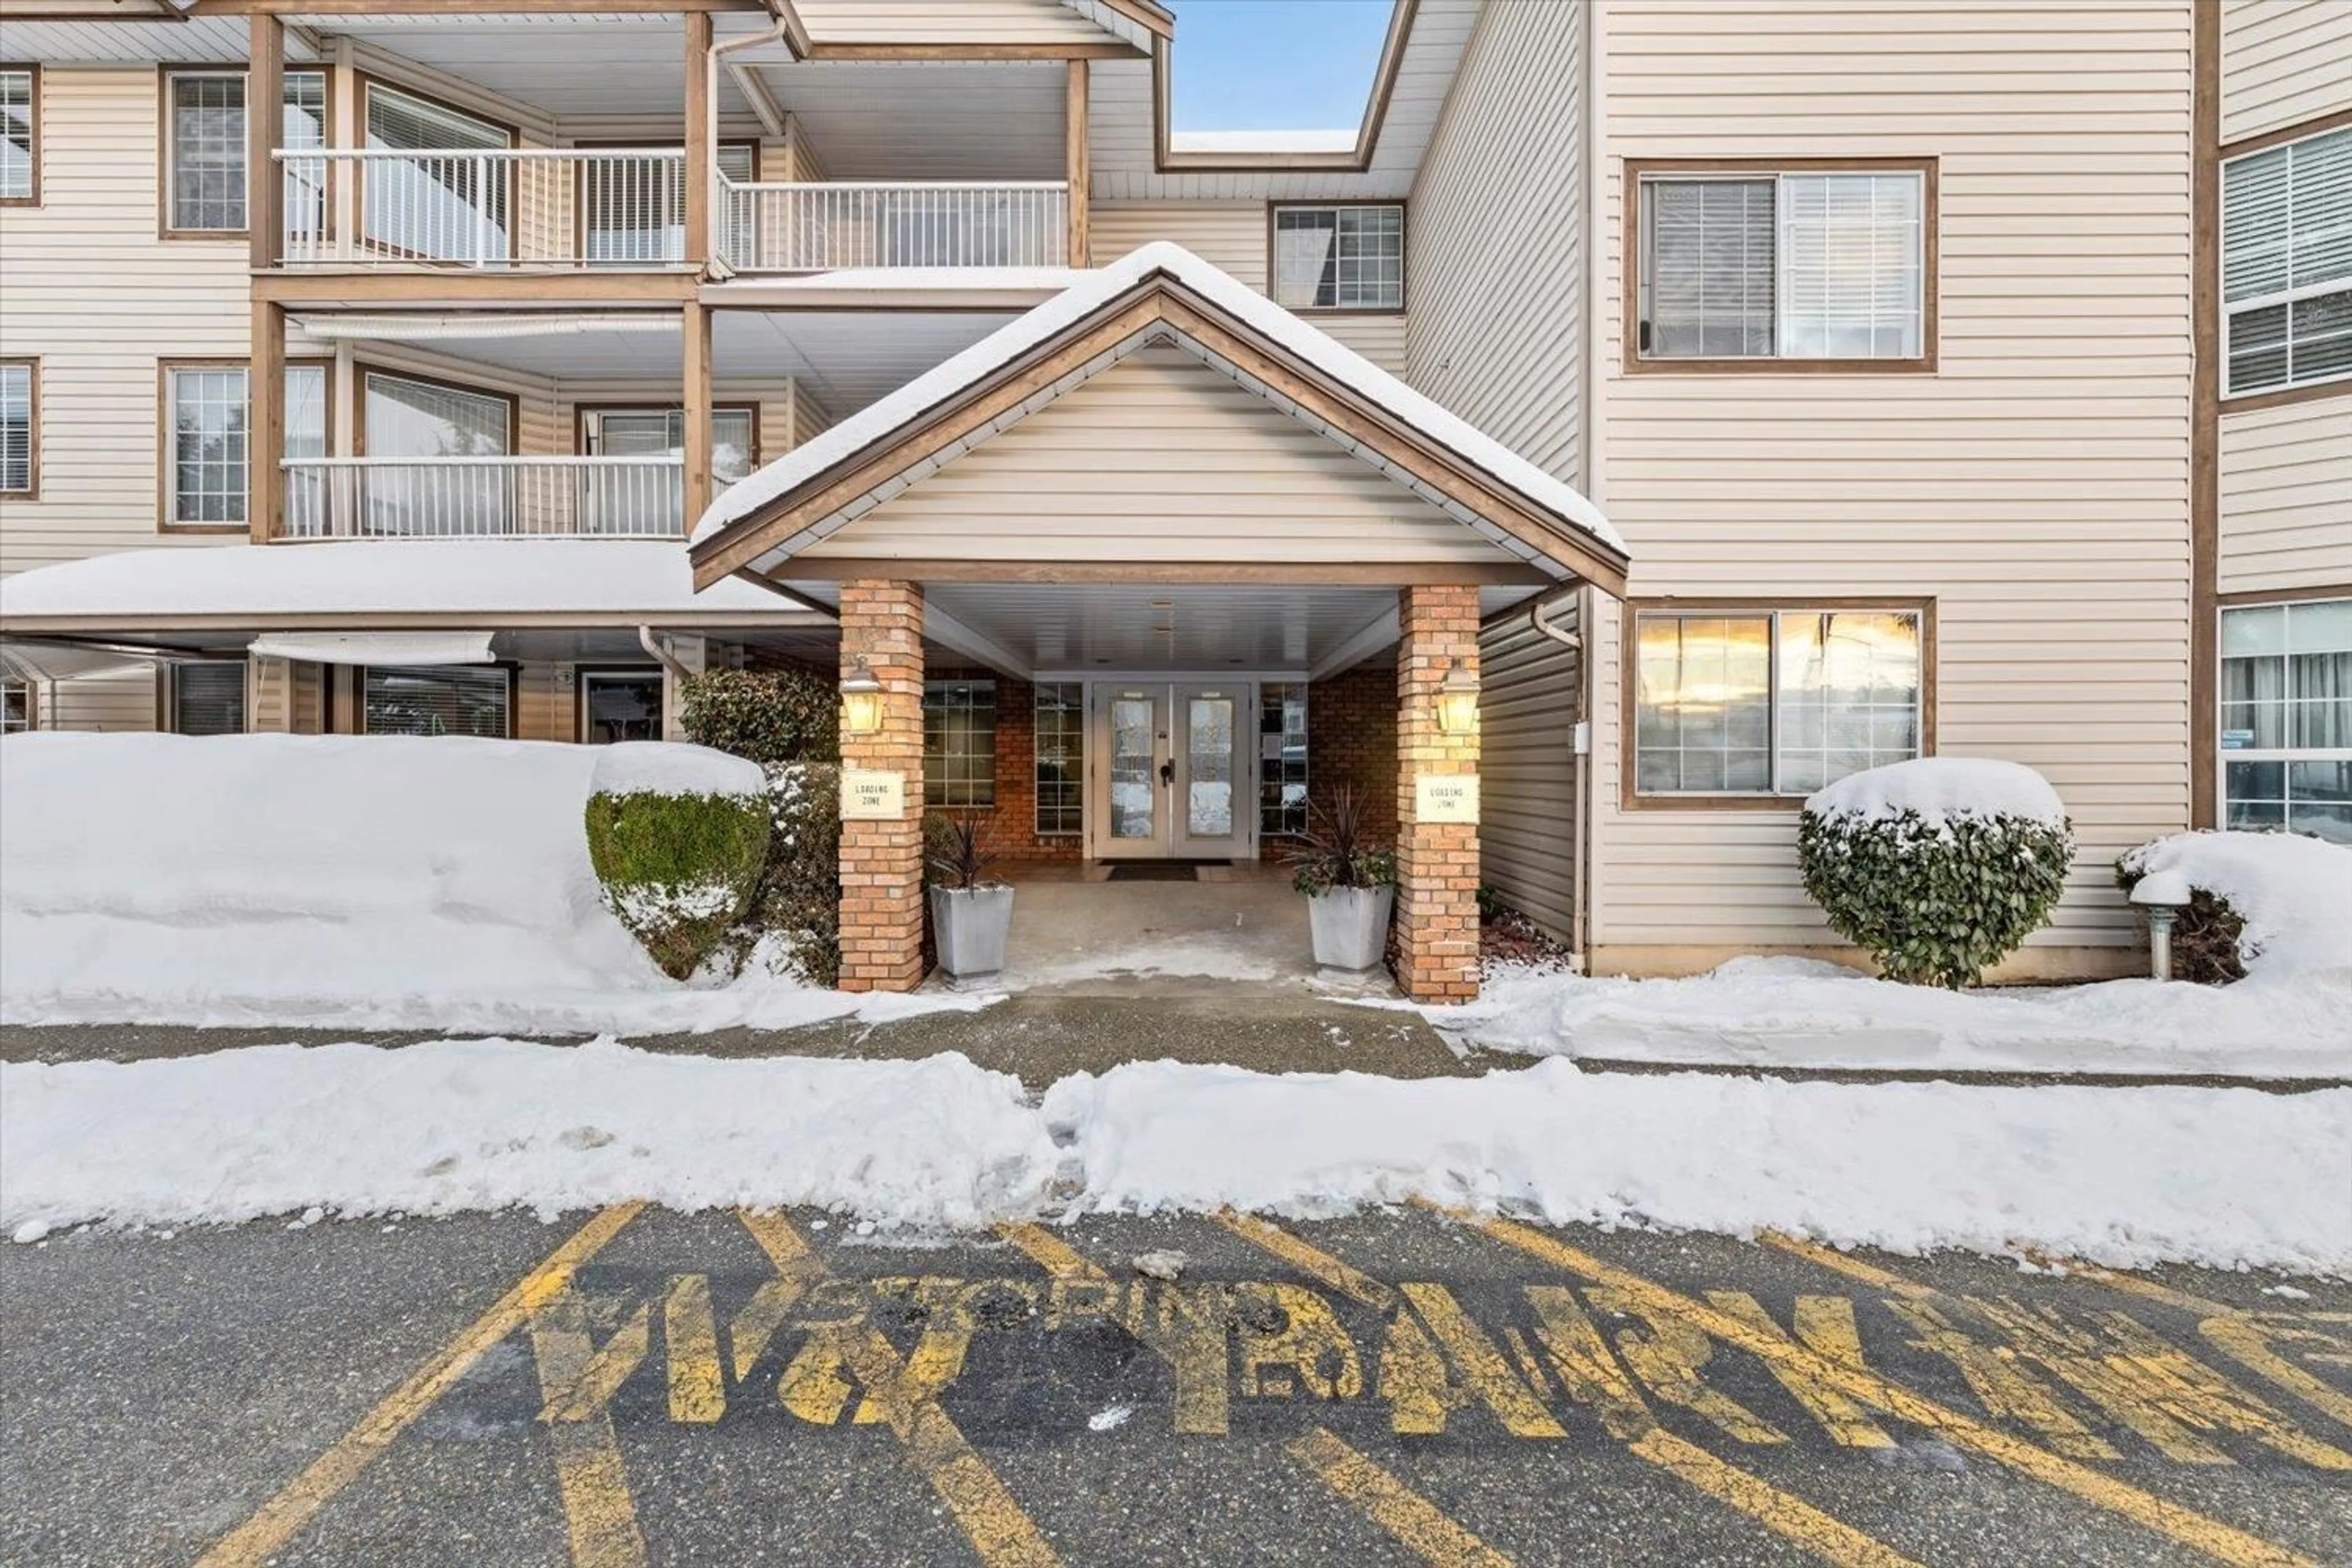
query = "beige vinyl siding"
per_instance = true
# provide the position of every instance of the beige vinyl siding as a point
(542, 703)
(2035, 489)
(121, 701)
(948, 22)
(1158, 458)
(2286, 496)
(268, 696)
(307, 699)
(1232, 235)
(1527, 763)
(93, 294)
(808, 417)
(2283, 62)
(1497, 263)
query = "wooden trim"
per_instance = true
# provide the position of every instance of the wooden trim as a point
(265, 418)
(2258, 597)
(1355, 160)
(701, 143)
(150, 623)
(581, 673)
(2205, 420)
(1145, 14)
(2317, 125)
(848, 50)
(164, 75)
(457, 288)
(1930, 267)
(362, 369)
(2341, 386)
(264, 188)
(1630, 799)
(1077, 161)
(694, 381)
(32, 490)
(1404, 236)
(1328, 573)
(33, 197)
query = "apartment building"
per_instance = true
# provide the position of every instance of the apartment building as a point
(1653, 410)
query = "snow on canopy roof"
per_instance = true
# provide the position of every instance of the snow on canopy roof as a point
(1374, 385)
(380, 577)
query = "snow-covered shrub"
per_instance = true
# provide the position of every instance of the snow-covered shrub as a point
(2273, 904)
(678, 835)
(767, 715)
(1937, 867)
(798, 906)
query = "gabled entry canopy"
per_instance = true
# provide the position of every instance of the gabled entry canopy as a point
(1459, 505)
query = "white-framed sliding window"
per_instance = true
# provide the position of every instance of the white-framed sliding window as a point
(430, 422)
(2286, 717)
(1773, 702)
(204, 149)
(446, 201)
(649, 500)
(1333, 258)
(1738, 265)
(2286, 265)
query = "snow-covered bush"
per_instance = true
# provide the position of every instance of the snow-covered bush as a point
(770, 716)
(678, 835)
(798, 906)
(2274, 904)
(1937, 867)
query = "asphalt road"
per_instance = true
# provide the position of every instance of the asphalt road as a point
(717, 1388)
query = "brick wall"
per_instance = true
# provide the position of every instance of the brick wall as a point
(1010, 830)
(1352, 742)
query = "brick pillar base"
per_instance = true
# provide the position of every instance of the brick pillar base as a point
(882, 862)
(1437, 862)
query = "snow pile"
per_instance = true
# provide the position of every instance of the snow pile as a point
(2294, 892)
(662, 767)
(488, 1124)
(378, 882)
(1941, 788)
(2126, 1177)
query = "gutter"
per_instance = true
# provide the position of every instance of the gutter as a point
(658, 645)
(1540, 613)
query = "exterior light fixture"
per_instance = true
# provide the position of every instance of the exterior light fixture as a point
(2161, 896)
(1457, 702)
(861, 702)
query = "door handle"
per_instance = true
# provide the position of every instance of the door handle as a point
(1168, 773)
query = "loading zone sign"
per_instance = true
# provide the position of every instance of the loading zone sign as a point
(1445, 797)
(872, 794)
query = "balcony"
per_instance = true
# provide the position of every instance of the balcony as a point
(592, 209)
(485, 498)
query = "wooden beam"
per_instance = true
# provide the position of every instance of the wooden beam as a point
(1078, 161)
(265, 426)
(265, 188)
(1324, 574)
(701, 140)
(695, 379)
(514, 286)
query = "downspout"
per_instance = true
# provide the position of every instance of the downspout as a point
(658, 646)
(779, 32)
(1538, 618)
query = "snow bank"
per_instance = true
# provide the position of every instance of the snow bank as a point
(337, 881)
(1940, 788)
(488, 1124)
(2126, 1177)
(660, 767)
(2295, 893)
(1803, 1012)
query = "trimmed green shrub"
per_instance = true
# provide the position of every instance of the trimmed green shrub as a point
(2206, 934)
(677, 869)
(1935, 899)
(770, 716)
(798, 906)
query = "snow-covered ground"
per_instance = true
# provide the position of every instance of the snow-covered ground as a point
(2224, 1177)
(338, 882)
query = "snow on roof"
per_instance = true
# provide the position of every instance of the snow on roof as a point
(1334, 140)
(1080, 300)
(1941, 787)
(378, 577)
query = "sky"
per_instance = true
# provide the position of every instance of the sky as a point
(1275, 65)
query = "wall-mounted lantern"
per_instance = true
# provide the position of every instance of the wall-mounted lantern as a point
(1457, 702)
(861, 702)
(2161, 896)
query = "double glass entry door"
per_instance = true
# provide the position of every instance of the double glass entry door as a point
(1172, 783)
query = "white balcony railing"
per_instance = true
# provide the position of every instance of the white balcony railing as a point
(525, 206)
(827, 227)
(482, 497)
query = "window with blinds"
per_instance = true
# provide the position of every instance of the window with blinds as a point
(634, 208)
(206, 149)
(17, 428)
(2286, 265)
(458, 699)
(444, 202)
(403, 417)
(20, 145)
(1796, 265)
(208, 699)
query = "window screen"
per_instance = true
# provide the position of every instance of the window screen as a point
(19, 146)
(208, 699)
(1349, 259)
(1061, 736)
(2286, 264)
(960, 742)
(17, 432)
(456, 700)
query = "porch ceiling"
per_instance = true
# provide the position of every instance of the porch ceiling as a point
(897, 120)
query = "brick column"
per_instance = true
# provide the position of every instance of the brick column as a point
(1437, 863)
(882, 862)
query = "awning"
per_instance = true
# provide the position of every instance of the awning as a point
(63, 661)
(391, 649)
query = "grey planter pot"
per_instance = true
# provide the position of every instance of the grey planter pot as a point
(968, 926)
(1352, 927)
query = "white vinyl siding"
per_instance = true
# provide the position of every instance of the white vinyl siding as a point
(2286, 718)
(2283, 62)
(2286, 264)
(1792, 265)
(2287, 472)
(19, 136)
(1340, 257)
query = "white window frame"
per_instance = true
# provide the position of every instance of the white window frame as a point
(2339, 138)
(1640, 262)
(2285, 755)
(298, 443)
(1339, 305)
(1922, 615)
(31, 489)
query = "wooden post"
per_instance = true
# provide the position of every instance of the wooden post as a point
(265, 424)
(1079, 163)
(265, 96)
(701, 140)
(696, 396)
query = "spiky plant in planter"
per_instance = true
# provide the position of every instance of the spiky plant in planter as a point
(971, 914)
(1349, 880)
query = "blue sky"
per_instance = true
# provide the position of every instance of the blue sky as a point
(1274, 65)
